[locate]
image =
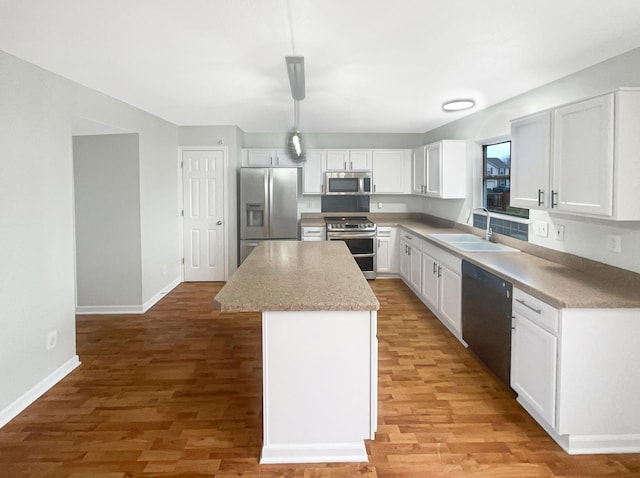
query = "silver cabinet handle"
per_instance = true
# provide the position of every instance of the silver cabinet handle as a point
(344, 165)
(378, 243)
(540, 193)
(219, 223)
(350, 164)
(554, 198)
(537, 311)
(374, 188)
(439, 271)
(435, 267)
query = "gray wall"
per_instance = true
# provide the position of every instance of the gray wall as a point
(107, 218)
(583, 237)
(37, 278)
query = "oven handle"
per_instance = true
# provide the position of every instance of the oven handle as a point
(340, 235)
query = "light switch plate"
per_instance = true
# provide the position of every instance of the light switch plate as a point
(559, 232)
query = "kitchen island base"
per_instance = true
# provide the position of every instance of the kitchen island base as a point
(319, 385)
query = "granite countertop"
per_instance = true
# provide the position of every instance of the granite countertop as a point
(535, 270)
(297, 276)
(554, 283)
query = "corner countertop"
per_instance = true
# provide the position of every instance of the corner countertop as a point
(544, 276)
(297, 276)
(554, 283)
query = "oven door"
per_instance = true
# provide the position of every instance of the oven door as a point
(362, 248)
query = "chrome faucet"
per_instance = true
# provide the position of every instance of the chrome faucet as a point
(488, 232)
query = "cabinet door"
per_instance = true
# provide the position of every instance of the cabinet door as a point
(387, 253)
(430, 280)
(450, 294)
(389, 172)
(312, 172)
(418, 170)
(261, 157)
(359, 160)
(583, 157)
(415, 268)
(433, 153)
(337, 159)
(383, 254)
(533, 366)
(404, 261)
(530, 152)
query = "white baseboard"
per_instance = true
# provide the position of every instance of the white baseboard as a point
(316, 453)
(30, 396)
(587, 444)
(156, 298)
(127, 309)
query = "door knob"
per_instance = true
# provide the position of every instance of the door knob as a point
(219, 223)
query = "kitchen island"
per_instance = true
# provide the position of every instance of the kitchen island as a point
(319, 349)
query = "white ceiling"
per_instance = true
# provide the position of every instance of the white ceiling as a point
(371, 65)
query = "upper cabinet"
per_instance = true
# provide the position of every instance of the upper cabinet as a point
(390, 168)
(580, 158)
(530, 154)
(312, 172)
(348, 159)
(266, 157)
(391, 171)
(439, 169)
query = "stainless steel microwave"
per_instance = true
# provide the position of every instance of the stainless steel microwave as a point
(347, 182)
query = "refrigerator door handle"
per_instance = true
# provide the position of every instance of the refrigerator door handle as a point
(268, 200)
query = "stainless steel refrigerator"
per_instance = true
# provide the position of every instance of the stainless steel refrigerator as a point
(268, 206)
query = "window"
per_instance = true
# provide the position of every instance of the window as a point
(496, 179)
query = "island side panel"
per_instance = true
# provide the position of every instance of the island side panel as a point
(317, 384)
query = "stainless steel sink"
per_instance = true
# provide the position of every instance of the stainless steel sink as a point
(471, 243)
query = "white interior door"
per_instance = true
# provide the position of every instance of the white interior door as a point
(203, 226)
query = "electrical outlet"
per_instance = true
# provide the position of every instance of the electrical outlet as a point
(614, 243)
(52, 339)
(559, 232)
(541, 228)
(379, 205)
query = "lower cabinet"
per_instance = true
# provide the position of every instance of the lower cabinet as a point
(534, 354)
(411, 260)
(442, 286)
(571, 369)
(387, 250)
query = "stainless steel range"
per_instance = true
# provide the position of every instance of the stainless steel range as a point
(359, 233)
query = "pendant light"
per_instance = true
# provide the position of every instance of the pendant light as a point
(295, 143)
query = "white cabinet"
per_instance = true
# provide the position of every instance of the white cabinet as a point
(348, 159)
(261, 157)
(391, 171)
(582, 174)
(530, 161)
(570, 369)
(411, 260)
(313, 233)
(534, 349)
(387, 250)
(591, 168)
(439, 169)
(313, 172)
(442, 285)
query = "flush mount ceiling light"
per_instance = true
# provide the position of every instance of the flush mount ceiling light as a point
(295, 143)
(458, 105)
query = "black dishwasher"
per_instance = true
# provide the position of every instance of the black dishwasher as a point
(486, 318)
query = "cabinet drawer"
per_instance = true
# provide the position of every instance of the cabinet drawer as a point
(445, 258)
(412, 239)
(313, 232)
(535, 310)
(383, 231)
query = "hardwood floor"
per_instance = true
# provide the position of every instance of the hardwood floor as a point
(177, 392)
